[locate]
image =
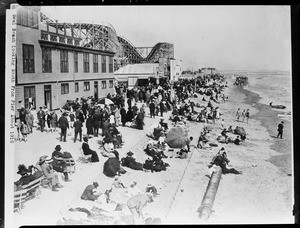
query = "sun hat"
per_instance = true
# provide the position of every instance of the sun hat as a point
(43, 159)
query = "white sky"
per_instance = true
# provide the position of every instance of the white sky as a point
(224, 37)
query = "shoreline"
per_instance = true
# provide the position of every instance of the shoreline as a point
(269, 119)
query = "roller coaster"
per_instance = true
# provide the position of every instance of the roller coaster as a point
(104, 37)
(129, 54)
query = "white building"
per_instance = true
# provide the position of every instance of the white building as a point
(175, 70)
(137, 74)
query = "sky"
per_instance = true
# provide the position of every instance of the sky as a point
(223, 37)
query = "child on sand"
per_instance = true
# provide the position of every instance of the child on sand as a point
(24, 131)
(243, 115)
(247, 115)
(238, 114)
(222, 123)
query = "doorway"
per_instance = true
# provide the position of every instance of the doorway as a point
(47, 93)
(96, 90)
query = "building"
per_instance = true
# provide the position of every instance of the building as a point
(56, 64)
(175, 70)
(208, 71)
(137, 74)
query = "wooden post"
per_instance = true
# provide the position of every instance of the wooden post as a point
(210, 194)
(56, 26)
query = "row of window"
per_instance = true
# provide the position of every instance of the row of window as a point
(28, 61)
(86, 86)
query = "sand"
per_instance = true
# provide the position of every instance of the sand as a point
(262, 194)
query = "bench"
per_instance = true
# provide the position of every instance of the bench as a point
(71, 165)
(33, 188)
(19, 198)
(28, 191)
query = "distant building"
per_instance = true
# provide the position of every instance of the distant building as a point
(175, 70)
(208, 71)
(137, 74)
(53, 64)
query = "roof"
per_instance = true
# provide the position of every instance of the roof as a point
(138, 69)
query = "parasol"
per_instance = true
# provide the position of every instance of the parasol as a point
(177, 137)
(105, 101)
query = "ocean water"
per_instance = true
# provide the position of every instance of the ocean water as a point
(272, 86)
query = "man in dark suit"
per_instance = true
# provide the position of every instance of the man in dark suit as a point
(123, 115)
(280, 129)
(41, 118)
(152, 109)
(78, 129)
(63, 125)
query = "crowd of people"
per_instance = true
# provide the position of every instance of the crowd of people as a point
(241, 80)
(88, 118)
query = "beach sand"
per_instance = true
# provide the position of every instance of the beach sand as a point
(261, 195)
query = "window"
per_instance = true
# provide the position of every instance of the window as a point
(103, 58)
(86, 86)
(65, 88)
(86, 62)
(75, 61)
(103, 84)
(28, 58)
(64, 65)
(111, 83)
(27, 17)
(46, 60)
(76, 87)
(95, 66)
(29, 96)
(111, 64)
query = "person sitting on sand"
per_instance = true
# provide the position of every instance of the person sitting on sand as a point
(220, 159)
(130, 162)
(237, 140)
(230, 130)
(89, 192)
(87, 151)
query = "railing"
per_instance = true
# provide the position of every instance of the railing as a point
(59, 38)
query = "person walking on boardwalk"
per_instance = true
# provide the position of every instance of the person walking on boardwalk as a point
(63, 125)
(280, 129)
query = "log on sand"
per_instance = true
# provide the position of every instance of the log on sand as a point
(210, 194)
